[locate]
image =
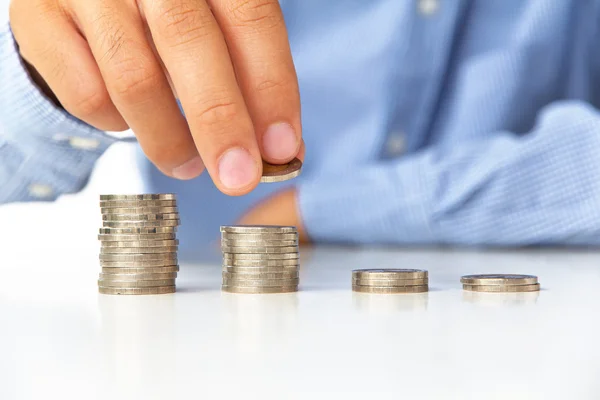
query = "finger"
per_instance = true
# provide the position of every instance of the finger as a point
(194, 52)
(258, 43)
(138, 87)
(302, 151)
(61, 56)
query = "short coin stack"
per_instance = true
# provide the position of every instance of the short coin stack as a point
(260, 259)
(390, 281)
(138, 252)
(500, 283)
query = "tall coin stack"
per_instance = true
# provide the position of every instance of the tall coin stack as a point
(138, 252)
(260, 259)
(388, 281)
(500, 283)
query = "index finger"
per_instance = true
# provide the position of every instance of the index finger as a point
(259, 47)
(195, 54)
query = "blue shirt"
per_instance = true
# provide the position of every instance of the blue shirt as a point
(425, 121)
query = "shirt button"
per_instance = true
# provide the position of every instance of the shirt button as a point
(40, 190)
(396, 144)
(83, 143)
(428, 7)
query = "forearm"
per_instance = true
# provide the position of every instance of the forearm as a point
(44, 152)
(540, 188)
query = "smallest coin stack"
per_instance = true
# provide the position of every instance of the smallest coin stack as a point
(500, 283)
(260, 259)
(138, 253)
(387, 281)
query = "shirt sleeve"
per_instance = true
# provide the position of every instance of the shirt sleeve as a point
(44, 151)
(539, 188)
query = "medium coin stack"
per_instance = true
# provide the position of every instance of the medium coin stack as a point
(138, 252)
(390, 281)
(500, 283)
(260, 259)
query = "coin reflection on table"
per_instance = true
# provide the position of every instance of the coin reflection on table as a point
(501, 299)
(255, 322)
(139, 345)
(387, 304)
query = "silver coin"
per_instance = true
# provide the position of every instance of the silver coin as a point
(244, 256)
(141, 243)
(280, 172)
(137, 291)
(138, 264)
(261, 270)
(139, 217)
(254, 229)
(258, 243)
(140, 210)
(137, 203)
(238, 263)
(257, 237)
(136, 284)
(260, 250)
(502, 288)
(499, 279)
(138, 231)
(139, 257)
(141, 224)
(261, 275)
(137, 238)
(139, 270)
(131, 197)
(389, 290)
(389, 274)
(259, 290)
(260, 282)
(390, 282)
(138, 277)
(138, 250)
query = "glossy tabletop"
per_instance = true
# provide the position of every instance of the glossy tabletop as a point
(59, 336)
(60, 339)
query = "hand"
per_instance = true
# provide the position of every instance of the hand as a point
(279, 209)
(117, 64)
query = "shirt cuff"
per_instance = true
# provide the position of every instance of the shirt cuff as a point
(384, 203)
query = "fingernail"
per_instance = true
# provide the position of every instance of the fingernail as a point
(280, 142)
(189, 169)
(237, 168)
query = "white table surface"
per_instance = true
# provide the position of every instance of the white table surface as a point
(59, 337)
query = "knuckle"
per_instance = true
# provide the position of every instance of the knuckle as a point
(89, 101)
(263, 13)
(269, 85)
(216, 112)
(133, 80)
(112, 39)
(182, 23)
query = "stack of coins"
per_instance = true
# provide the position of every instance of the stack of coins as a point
(138, 252)
(500, 283)
(390, 281)
(260, 259)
